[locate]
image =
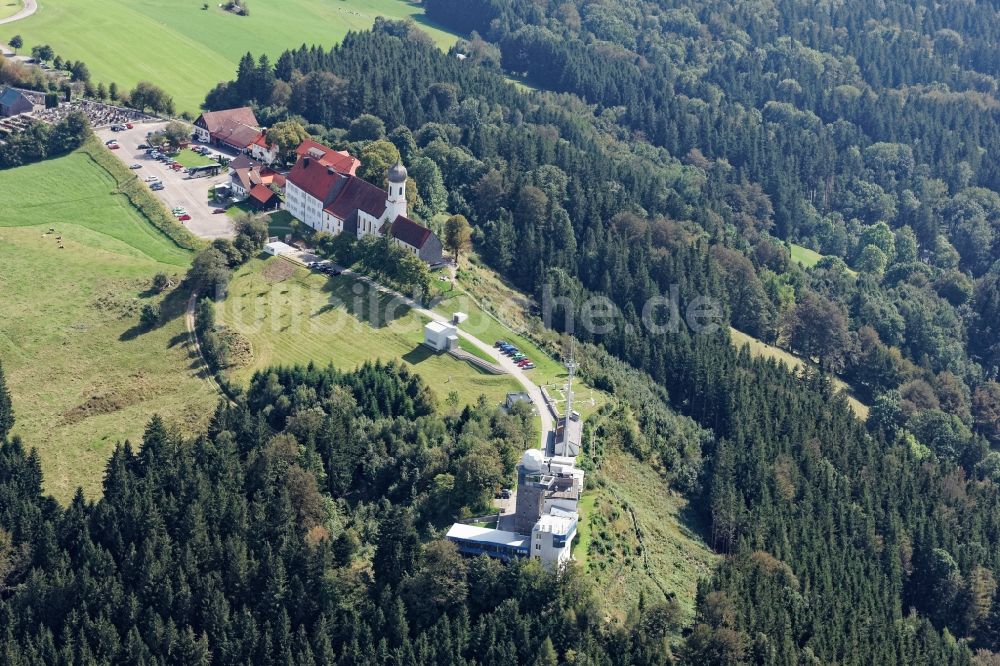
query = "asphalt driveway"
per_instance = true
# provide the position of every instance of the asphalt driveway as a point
(191, 194)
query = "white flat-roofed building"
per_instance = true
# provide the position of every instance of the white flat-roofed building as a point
(552, 537)
(440, 336)
(472, 540)
(277, 248)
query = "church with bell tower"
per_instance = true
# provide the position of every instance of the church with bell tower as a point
(322, 195)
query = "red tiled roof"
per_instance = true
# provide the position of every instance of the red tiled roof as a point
(340, 160)
(269, 177)
(314, 178)
(235, 134)
(216, 120)
(261, 141)
(358, 194)
(406, 230)
(261, 193)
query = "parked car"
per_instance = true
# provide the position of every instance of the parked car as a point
(184, 218)
(114, 146)
(528, 366)
(499, 343)
(156, 187)
(136, 166)
(143, 146)
(128, 125)
(110, 141)
(218, 211)
(522, 363)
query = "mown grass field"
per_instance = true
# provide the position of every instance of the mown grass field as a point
(805, 256)
(292, 315)
(188, 158)
(809, 258)
(9, 8)
(187, 49)
(82, 376)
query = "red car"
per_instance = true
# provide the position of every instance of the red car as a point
(184, 218)
(523, 362)
(128, 125)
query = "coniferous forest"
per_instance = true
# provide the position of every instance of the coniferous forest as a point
(688, 145)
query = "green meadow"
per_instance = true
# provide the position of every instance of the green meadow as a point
(82, 375)
(9, 8)
(290, 315)
(187, 49)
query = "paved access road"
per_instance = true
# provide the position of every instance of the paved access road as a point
(191, 194)
(520, 374)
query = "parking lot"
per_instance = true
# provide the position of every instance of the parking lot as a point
(179, 190)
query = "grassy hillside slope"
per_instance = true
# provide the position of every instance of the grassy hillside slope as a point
(637, 537)
(292, 315)
(187, 49)
(82, 376)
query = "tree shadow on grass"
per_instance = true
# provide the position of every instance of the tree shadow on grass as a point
(367, 304)
(173, 305)
(178, 339)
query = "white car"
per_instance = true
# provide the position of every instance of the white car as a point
(136, 166)
(151, 179)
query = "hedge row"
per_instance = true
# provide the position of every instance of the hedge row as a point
(140, 196)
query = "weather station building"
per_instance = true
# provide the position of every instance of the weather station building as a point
(544, 523)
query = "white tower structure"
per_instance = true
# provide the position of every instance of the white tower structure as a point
(395, 204)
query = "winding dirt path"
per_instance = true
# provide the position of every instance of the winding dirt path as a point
(193, 338)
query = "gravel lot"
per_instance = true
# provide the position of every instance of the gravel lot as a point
(179, 190)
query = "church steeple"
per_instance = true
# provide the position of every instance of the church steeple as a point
(396, 201)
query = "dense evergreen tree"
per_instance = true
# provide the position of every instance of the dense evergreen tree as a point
(6, 407)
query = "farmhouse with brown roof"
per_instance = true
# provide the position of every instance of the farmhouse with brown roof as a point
(235, 128)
